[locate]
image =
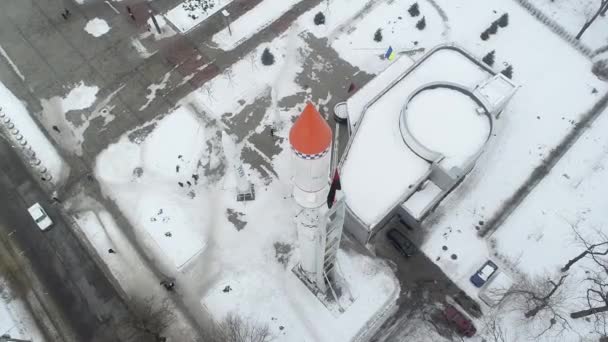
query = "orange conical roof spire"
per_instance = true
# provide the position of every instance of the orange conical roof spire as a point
(310, 134)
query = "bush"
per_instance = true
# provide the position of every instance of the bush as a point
(503, 21)
(489, 58)
(320, 19)
(508, 72)
(484, 35)
(600, 69)
(414, 11)
(493, 28)
(267, 57)
(421, 24)
(378, 35)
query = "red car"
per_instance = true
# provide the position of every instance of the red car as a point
(463, 325)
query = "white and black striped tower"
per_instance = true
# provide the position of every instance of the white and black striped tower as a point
(311, 141)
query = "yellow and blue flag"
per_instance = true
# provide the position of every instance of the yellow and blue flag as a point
(390, 54)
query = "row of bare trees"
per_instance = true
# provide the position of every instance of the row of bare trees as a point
(547, 301)
(152, 318)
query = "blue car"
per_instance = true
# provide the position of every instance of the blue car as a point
(484, 273)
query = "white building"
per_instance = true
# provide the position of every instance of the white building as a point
(408, 143)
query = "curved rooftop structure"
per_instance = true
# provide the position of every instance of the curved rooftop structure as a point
(417, 130)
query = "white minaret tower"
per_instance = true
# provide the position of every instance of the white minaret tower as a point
(311, 141)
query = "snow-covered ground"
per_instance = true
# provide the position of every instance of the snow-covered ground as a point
(18, 123)
(171, 181)
(190, 13)
(73, 112)
(238, 243)
(15, 318)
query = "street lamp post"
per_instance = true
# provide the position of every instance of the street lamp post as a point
(226, 17)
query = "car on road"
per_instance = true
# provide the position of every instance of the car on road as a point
(40, 216)
(459, 321)
(401, 243)
(484, 273)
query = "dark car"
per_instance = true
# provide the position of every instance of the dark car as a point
(401, 243)
(459, 321)
(484, 273)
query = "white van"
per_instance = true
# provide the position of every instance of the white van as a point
(496, 288)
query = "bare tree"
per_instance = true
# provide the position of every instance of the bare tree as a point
(600, 11)
(151, 318)
(542, 300)
(600, 248)
(237, 329)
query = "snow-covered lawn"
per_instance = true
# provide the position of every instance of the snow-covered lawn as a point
(190, 13)
(13, 112)
(572, 15)
(398, 29)
(251, 22)
(15, 317)
(238, 240)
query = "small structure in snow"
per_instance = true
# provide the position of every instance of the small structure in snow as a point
(244, 188)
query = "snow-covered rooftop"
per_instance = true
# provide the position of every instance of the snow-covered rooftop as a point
(378, 160)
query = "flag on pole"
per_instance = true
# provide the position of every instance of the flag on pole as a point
(335, 185)
(390, 54)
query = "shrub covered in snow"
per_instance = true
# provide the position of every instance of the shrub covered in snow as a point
(414, 11)
(508, 72)
(421, 24)
(378, 35)
(193, 6)
(267, 57)
(493, 28)
(489, 58)
(319, 19)
(503, 21)
(600, 69)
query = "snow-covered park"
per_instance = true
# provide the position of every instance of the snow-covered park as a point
(167, 184)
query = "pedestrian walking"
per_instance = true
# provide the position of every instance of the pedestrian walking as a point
(272, 132)
(351, 88)
(168, 284)
(64, 16)
(130, 13)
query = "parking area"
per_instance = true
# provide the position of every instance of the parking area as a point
(425, 289)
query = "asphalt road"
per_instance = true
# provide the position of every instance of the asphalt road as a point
(423, 286)
(67, 272)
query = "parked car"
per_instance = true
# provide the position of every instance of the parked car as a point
(496, 289)
(401, 243)
(40, 216)
(459, 321)
(484, 273)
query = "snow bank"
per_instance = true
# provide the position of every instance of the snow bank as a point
(169, 156)
(186, 16)
(97, 27)
(251, 22)
(15, 110)
(15, 318)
